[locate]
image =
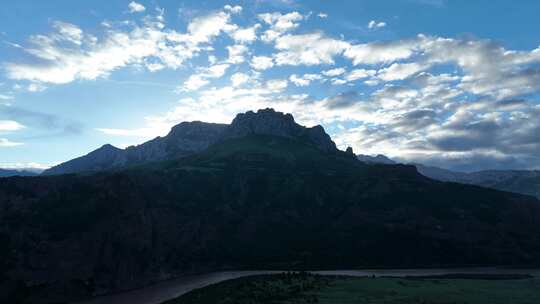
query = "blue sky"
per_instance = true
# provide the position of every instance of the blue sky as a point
(448, 83)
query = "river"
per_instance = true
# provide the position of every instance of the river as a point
(167, 290)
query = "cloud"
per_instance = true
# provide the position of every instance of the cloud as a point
(423, 98)
(308, 49)
(135, 7)
(48, 125)
(196, 81)
(9, 125)
(70, 54)
(4, 142)
(279, 24)
(304, 80)
(236, 53)
(334, 72)
(233, 9)
(380, 52)
(237, 79)
(37, 167)
(400, 71)
(261, 62)
(376, 25)
(322, 15)
(359, 74)
(276, 85)
(245, 35)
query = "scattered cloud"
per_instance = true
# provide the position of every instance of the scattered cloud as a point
(376, 24)
(308, 49)
(236, 53)
(37, 167)
(10, 125)
(196, 81)
(334, 72)
(4, 142)
(426, 98)
(135, 7)
(262, 62)
(304, 80)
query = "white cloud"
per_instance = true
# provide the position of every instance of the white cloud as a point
(359, 74)
(308, 49)
(400, 71)
(334, 72)
(10, 125)
(379, 52)
(238, 79)
(70, 54)
(376, 25)
(261, 62)
(236, 53)
(69, 32)
(135, 7)
(276, 85)
(279, 24)
(196, 81)
(304, 80)
(4, 142)
(322, 15)
(6, 97)
(204, 29)
(24, 166)
(245, 35)
(233, 9)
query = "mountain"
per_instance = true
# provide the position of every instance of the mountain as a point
(518, 181)
(251, 200)
(16, 172)
(188, 138)
(183, 139)
(378, 159)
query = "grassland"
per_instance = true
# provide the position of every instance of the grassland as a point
(305, 288)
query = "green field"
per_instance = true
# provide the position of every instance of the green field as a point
(305, 288)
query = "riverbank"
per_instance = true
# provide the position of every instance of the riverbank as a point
(164, 291)
(304, 288)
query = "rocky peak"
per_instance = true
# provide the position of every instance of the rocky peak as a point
(265, 121)
(196, 129)
(270, 122)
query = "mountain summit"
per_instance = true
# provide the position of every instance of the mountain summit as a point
(188, 138)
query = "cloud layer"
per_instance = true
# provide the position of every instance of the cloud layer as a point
(465, 103)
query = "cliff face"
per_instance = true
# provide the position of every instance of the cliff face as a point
(188, 138)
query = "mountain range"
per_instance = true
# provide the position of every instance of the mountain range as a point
(17, 172)
(518, 181)
(188, 138)
(260, 193)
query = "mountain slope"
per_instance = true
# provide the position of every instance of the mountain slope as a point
(256, 201)
(188, 138)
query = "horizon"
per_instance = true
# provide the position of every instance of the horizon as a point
(435, 87)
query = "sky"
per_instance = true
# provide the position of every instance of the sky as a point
(454, 84)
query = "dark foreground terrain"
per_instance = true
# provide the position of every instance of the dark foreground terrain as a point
(254, 200)
(305, 288)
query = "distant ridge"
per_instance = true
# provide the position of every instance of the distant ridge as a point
(518, 181)
(16, 172)
(188, 138)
